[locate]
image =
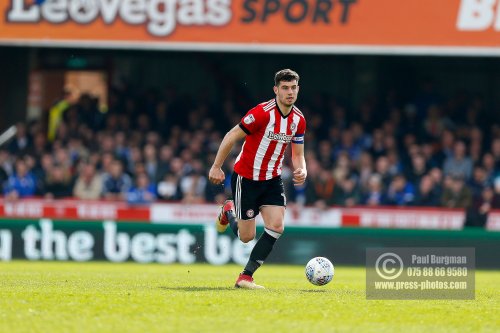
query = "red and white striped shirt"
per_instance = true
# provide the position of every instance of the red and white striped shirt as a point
(268, 134)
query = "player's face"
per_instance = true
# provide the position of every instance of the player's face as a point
(287, 92)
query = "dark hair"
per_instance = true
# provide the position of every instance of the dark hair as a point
(285, 75)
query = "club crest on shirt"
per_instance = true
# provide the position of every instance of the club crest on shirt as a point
(293, 126)
(249, 119)
(250, 213)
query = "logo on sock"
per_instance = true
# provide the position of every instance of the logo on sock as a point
(250, 213)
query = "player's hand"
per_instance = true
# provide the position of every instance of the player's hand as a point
(299, 176)
(216, 175)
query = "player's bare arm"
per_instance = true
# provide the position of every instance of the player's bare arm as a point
(216, 175)
(299, 164)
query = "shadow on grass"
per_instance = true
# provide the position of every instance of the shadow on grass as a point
(193, 289)
(315, 291)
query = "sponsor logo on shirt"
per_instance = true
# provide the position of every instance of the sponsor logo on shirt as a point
(279, 137)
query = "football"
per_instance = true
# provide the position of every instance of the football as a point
(319, 271)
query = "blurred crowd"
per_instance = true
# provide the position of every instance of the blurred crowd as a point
(428, 150)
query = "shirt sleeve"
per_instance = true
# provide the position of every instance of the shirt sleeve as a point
(252, 121)
(301, 130)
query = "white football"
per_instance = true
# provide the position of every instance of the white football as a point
(319, 271)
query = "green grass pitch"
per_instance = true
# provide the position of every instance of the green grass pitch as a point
(105, 297)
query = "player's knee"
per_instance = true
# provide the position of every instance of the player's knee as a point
(245, 238)
(278, 227)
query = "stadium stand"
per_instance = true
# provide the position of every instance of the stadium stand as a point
(429, 151)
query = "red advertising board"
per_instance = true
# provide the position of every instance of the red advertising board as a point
(177, 213)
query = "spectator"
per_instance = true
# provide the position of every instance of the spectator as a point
(166, 155)
(56, 114)
(417, 169)
(456, 194)
(458, 164)
(63, 159)
(496, 190)
(364, 168)
(58, 184)
(400, 192)
(495, 151)
(375, 196)
(76, 150)
(488, 163)
(193, 187)
(428, 194)
(4, 157)
(21, 142)
(21, 184)
(428, 152)
(361, 138)
(89, 185)
(383, 169)
(39, 144)
(150, 161)
(347, 192)
(143, 192)
(122, 151)
(116, 182)
(6, 162)
(437, 177)
(434, 124)
(106, 161)
(135, 158)
(395, 165)
(305, 193)
(378, 148)
(319, 188)
(477, 214)
(445, 150)
(41, 172)
(348, 145)
(168, 188)
(325, 155)
(475, 151)
(479, 181)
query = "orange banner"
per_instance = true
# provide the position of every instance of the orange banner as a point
(300, 25)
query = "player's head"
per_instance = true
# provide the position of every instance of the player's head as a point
(286, 86)
(286, 75)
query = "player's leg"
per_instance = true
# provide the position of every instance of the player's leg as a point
(240, 215)
(274, 217)
(243, 229)
(246, 230)
(246, 193)
(272, 207)
(226, 214)
(246, 233)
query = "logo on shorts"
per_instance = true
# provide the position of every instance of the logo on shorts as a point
(250, 213)
(249, 119)
(293, 126)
